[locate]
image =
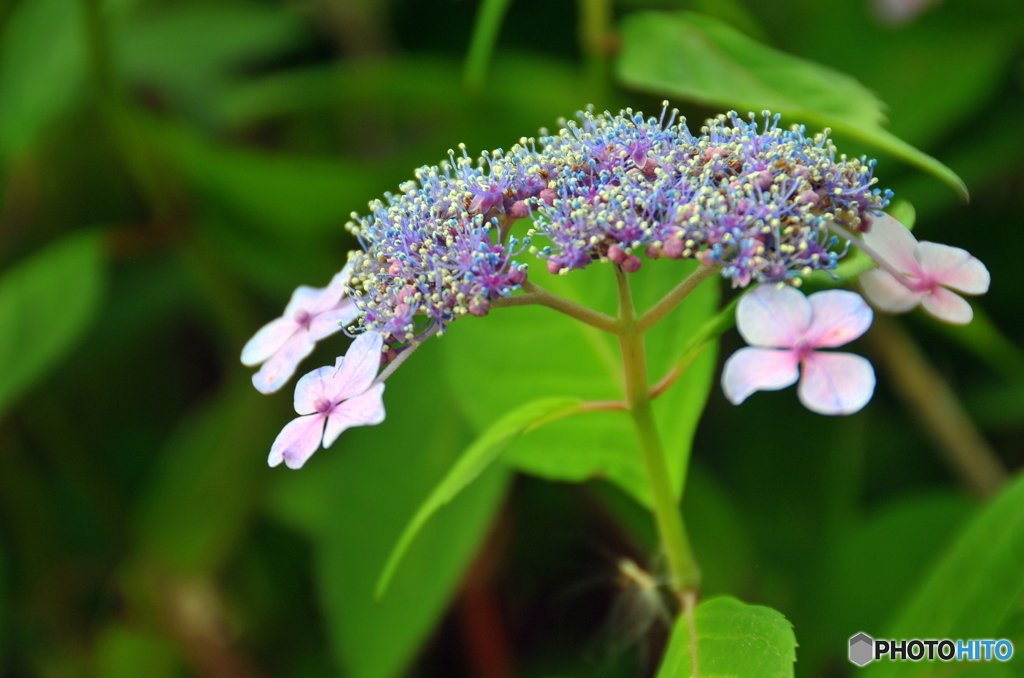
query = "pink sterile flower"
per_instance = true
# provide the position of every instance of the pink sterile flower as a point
(927, 269)
(785, 329)
(311, 315)
(331, 400)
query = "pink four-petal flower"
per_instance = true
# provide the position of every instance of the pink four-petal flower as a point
(784, 329)
(311, 315)
(331, 400)
(928, 269)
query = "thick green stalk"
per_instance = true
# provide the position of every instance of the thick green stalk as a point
(683, 569)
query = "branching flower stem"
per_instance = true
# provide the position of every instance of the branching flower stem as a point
(870, 251)
(535, 294)
(683, 570)
(403, 356)
(657, 313)
(711, 330)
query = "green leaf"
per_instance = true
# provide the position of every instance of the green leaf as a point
(987, 342)
(548, 354)
(719, 535)
(485, 34)
(974, 590)
(208, 482)
(478, 456)
(933, 90)
(530, 91)
(733, 640)
(707, 61)
(191, 50)
(354, 500)
(5, 624)
(42, 66)
(123, 652)
(46, 304)
(885, 554)
(284, 195)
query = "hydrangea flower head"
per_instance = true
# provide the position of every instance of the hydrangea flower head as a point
(435, 250)
(785, 330)
(331, 400)
(312, 314)
(756, 199)
(928, 271)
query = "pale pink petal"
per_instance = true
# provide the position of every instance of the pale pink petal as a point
(947, 306)
(297, 441)
(953, 267)
(359, 366)
(314, 391)
(758, 369)
(334, 291)
(886, 294)
(303, 299)
(281, 366)
(836, 383)
(268, 340)
(893, 241)
(327, 323)
(366, 409)
(839, 318)
(773, 315)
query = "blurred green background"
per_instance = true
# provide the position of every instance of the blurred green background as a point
(172, 169)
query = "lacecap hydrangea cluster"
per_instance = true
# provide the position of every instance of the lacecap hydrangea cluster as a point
(753, 198)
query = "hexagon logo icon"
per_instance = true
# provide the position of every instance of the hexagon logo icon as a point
(862, 649)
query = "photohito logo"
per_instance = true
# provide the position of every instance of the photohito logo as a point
(864, 649)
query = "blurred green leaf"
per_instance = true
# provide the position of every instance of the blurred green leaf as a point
(523, 92)
(5, 623)
(489, 18)
(704, 60)
(285, 195)
(354, 500)
(733, 12)
(885, 554)
(548, 354)
(207, 483)
(930, 89)
(996, 406)
(189, 50)
(477, 457)
(734, 640)
(42, 66)
(982, 157)
(272, 263)
(46, 304)
(987, 342)
(721, 540)
(123, 652)
(973, 591)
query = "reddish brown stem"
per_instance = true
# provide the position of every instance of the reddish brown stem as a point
(604, 406)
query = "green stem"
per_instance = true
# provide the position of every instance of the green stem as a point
(535, 294)
(656, 313)
(489, 19)
(683, 569)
